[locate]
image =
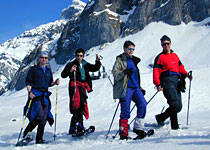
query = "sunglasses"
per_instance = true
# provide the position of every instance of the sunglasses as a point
(79, 55)
(43, 57)
(131, 49)
(164, 44)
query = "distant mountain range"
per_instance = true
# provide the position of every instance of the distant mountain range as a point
(88, 25)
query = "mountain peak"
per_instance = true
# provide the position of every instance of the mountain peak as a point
(75, 7)
(78, 3)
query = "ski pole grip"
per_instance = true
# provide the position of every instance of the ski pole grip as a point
(190, 75)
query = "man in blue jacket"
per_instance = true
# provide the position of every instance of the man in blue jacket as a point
(38, 80)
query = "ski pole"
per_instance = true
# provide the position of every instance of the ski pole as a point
(147, 102)
(134, 118)
(112, 120)
(75, 97)
(116, 109)
(188, 108)
(106, 72)
(56, 108)
(24, 121)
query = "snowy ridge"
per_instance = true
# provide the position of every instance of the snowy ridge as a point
(187, 41)
(26, 42)
(12, 52)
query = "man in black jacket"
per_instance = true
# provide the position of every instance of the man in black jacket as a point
(79, 70)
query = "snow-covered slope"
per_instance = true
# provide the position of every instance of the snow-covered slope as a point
(45, 36)
(12, 52)
(190, 42)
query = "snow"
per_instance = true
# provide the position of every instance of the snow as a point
(90, 4)
(108, 11)
(21, 46)
(190, 42)
(124, 18)
(162, 5)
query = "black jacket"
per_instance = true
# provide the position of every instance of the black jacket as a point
(88, 68)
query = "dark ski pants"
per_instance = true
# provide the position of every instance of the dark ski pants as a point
(173, 96)
(77, 118)
(39, 120)
(137, 96)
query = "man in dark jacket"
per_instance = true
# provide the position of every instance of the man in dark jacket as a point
(166, 72)
(78, 71)
(38, 80)
(126, 88)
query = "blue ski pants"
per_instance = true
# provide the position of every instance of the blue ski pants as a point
(137, 96)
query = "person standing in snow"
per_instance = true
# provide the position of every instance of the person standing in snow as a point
(126, 88)
(167, 71)
(38, 80)
(78, 106)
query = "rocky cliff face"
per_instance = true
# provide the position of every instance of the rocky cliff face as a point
(172, 12)
(103, 21)
(99, 23)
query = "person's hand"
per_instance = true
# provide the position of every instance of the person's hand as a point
(128, 72)
(98, 57)
(159, 88)
(57, 81)
(189, 75)
(143, 91)
(31, 95)
(73, 68)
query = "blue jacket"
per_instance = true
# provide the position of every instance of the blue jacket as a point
(133, 82)
(34, 107)
(37, 78)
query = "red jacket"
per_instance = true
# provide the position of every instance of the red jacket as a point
(164, 62)
(76, 102)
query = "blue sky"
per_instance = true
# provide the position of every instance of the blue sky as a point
(17, 16)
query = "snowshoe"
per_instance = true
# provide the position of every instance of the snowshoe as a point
(26, 140)
(42, 142)
(159, 121)
(91, 129)
(125, 138)
(142, 134)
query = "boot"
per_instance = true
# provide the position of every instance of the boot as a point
(160, 118)
(80, 130)
(138, 127)
(41, 142)
(123, 127)
(72, 130)
(174, 121)
(138, 124)
(125, 138)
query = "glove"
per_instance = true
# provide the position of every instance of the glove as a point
(128, 72)
(143, 91)
(189, 75)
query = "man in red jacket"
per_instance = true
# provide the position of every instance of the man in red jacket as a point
(166, 73)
